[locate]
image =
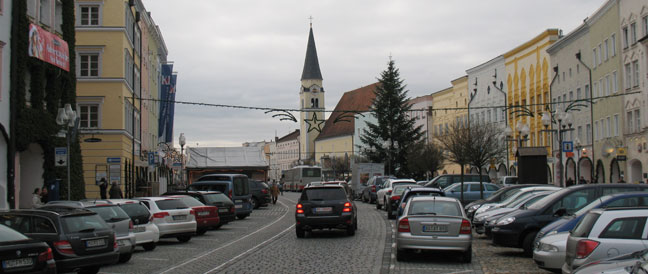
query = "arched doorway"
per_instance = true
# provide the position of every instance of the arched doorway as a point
(492, 174)
(31, 174)
(501, 171)
(635, 172)
(473, 170)
(585, 169)
(615, 171)
(600, 173)
(513, 171)
(549, 177)
(570, 172)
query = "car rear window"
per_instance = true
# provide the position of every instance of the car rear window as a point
(443, 208)
(215, 178)
(10, 235)
(191, 201)
(222, 187)
(110, 213)
(138, 212)
(241, 186)
(170, 204)
(83, 223)
(214, 198)
(323, 194)
(585, 225)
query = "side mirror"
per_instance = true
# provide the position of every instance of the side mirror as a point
(560, 212)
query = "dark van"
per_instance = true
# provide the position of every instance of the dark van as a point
(235, 186)
(445, 180)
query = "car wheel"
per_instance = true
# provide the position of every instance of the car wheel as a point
(300, 232)
(350, 231)
(89, 270)
(184, 239)
(218, 226)
(377, 205)
(400, 254)
(255, 203)
(125, 257)
(201, 231)
(390, 215)
(467, 256)
(241, 217)
(355, 224)
(149, 246)
(527, 243)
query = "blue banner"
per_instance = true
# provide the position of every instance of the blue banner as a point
(171, 110)
(165, 89)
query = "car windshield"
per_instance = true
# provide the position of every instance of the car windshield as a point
(510, 193)
(433, 207)
(110, 213)
(527, 201)
(547, 199)
(170, 204)
(83, 223)
(516, 198)
(138, 212)
(216, 197)
(10, 235)
(323, 194)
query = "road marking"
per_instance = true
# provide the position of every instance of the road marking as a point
(230, 243)
(152, 259)
(251, 249)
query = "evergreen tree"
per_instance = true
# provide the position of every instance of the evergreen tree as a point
(389, 140)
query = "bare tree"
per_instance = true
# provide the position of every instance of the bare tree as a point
(455, 142)
(424, 158)
(485, 145)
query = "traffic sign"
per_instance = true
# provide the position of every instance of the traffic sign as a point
(60, 156)
(113, 160)
(568, 146)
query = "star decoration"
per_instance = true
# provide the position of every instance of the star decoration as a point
(314, 123)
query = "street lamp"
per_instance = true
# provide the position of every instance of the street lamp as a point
(67, 116)
(564, 121)
(183, 142)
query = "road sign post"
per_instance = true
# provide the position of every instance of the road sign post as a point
(60, 156)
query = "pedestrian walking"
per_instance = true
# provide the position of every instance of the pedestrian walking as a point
(621, 181)
(274, 191)
(281, 185)
(36, 199)
(582, 181)
(43, 195)
(115, 191)
(103, 187)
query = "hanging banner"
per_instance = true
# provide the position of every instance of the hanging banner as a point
(48, 47)
(165, 88)
(169, 125)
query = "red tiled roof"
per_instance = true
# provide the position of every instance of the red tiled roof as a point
(356, 100)
(290, 136)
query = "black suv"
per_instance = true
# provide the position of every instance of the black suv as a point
(226, 210)
(445, 180)
(260, 193)
(325, 206)
(80, 239)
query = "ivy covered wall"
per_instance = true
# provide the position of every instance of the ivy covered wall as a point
(35, 103)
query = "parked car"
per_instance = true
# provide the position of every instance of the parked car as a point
(381, 195)
(226, 210)
(496, 197)
(235, 186)
(519, 228)
(21, 254)
(373, 185)
(413, 192)
(507, 180)
(606, 233)
(173, 217)
(471, 191)
(393, 199)
(326, 206)
(519, 194)
(625, 264)
(206, 215)
(260, 194)
(434, 223)
(445, 180)
(549, 252)
(146, 232)
(344, 184)
(480, 220)
(80, 240)
(114, 216)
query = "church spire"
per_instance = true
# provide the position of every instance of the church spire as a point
(311, 64)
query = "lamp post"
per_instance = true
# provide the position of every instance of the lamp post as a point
(182, 142)
(591, 104)
(564, 121)
(523, 133)
(67, 116)
(501, 89)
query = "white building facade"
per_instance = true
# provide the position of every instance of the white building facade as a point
(5, 55)
(287, 151)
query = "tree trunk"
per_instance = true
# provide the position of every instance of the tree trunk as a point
(462, 184)
(481, 185)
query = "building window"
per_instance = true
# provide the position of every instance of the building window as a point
(58, 16)
(1, 9)
(607, 85)
(613, 42)
(596, 130)
(580, 133)
(615, 82)
(89, 15)
(625, 37)
(644, 23)
(588, 132)
(89, 116)
(45, 12)
(606, 53)
(628, 72)
(609, 127)
(89, 64)
(587, 91)
(633, 33)
(629, 117)
(1, 46)
(31, 8)
(637, 121)
(616, 124)
(635, 68)
(578, 94)
(598, 57)
(594, 58)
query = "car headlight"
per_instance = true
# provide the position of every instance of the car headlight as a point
(548, 248)
(506, 221)
(492, 222)
(473, 208)
(483, 209)
(552, 232)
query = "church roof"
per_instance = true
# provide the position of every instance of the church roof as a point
(359, 100)
(311, 64)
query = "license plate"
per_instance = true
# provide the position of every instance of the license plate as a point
(222, 210)
(140, 229)
(323, 209)
(238, 206)
(17, 263)
(203, 213)
(179, 217)
(435, 228)
(95, 243)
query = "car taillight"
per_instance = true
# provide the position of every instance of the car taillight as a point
(264, 191)
(300, 209)
(347, 207)
(46, 256)
(465, 227)
(160, 215)
(215, 211)
(585, 248)
(130, 225)
(403, 225)
(115, 245)
(230, 194)
(373, 188)
(232, 209)
(64, 247)
(192, 212)
(395, 198)
(389, 192)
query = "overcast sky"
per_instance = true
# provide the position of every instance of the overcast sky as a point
(252, 53)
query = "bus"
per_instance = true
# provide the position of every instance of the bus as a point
(297, 177)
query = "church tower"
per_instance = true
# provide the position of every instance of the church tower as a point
(311, 95)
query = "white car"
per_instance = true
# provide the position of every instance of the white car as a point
(549, 253)
(146, 232)
(520, 193)
(172, 216)
(388, 186)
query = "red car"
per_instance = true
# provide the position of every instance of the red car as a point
(206, 216)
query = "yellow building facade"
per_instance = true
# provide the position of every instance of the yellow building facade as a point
(528, 76)
(449, 108)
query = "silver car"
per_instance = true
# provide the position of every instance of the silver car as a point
(434, 223)
(606, 233)
(549, 253)
(172, 216)
(519, 194)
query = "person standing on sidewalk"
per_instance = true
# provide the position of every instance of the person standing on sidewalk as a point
(274, 191)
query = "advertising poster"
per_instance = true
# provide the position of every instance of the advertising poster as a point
(48, 47)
